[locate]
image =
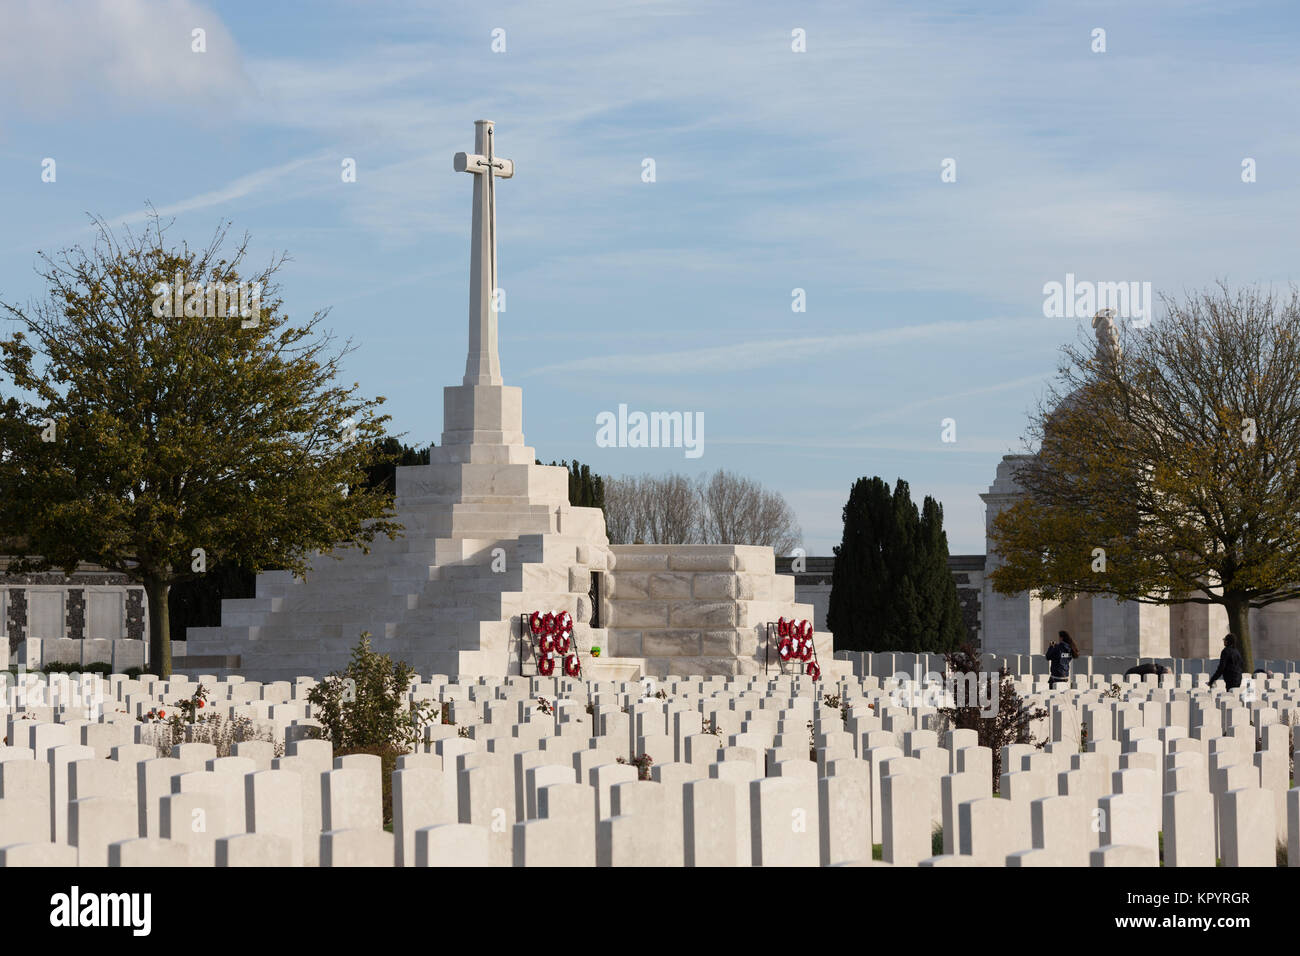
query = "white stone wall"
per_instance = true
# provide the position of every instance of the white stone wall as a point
(699, 609)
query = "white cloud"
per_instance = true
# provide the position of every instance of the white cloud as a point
(74, 56)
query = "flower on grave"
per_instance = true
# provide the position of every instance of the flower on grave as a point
(162, 714)
(200, 703)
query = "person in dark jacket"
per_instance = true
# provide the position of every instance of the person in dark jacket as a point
(1230, 664)
(1059, 655)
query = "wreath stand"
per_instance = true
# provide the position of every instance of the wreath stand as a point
(772, 650)
(529, 638)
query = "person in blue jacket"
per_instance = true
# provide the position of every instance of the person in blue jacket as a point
(1059, 655)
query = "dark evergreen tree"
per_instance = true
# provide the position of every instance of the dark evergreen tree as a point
(856, 585)
(891, 589)
(389, 454)
(586, 490)
(942, 611)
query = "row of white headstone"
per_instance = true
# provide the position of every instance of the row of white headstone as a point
(785, 775)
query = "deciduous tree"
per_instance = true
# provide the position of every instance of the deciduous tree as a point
(158, 441)
(1168, 468)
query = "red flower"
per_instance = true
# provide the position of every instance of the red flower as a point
(200, 703)
(162, 714)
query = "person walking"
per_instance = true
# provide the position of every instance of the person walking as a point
(1230, 664)
(1059, 656)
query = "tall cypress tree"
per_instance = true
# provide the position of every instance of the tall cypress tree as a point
(859, 575)
(891, 589)
(943, 618)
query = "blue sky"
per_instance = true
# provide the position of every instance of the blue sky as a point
(775, 170)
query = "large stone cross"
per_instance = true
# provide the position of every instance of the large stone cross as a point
(483, 366)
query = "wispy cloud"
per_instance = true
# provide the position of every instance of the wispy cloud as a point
(763, 353)
(966, 446)
(900, 412)
(250, 184)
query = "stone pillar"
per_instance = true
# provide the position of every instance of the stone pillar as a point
(76, 611)
(1129, 628)
(17, 617)
(1011, 624)
(136, 615)
(1196, 630)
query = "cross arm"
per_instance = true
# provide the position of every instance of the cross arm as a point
(476, 163)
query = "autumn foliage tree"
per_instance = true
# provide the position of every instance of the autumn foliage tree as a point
(1169, 464)
(157, 441)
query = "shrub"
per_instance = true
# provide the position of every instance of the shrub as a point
(55, 667)
(1010, 725)
(364, 711)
